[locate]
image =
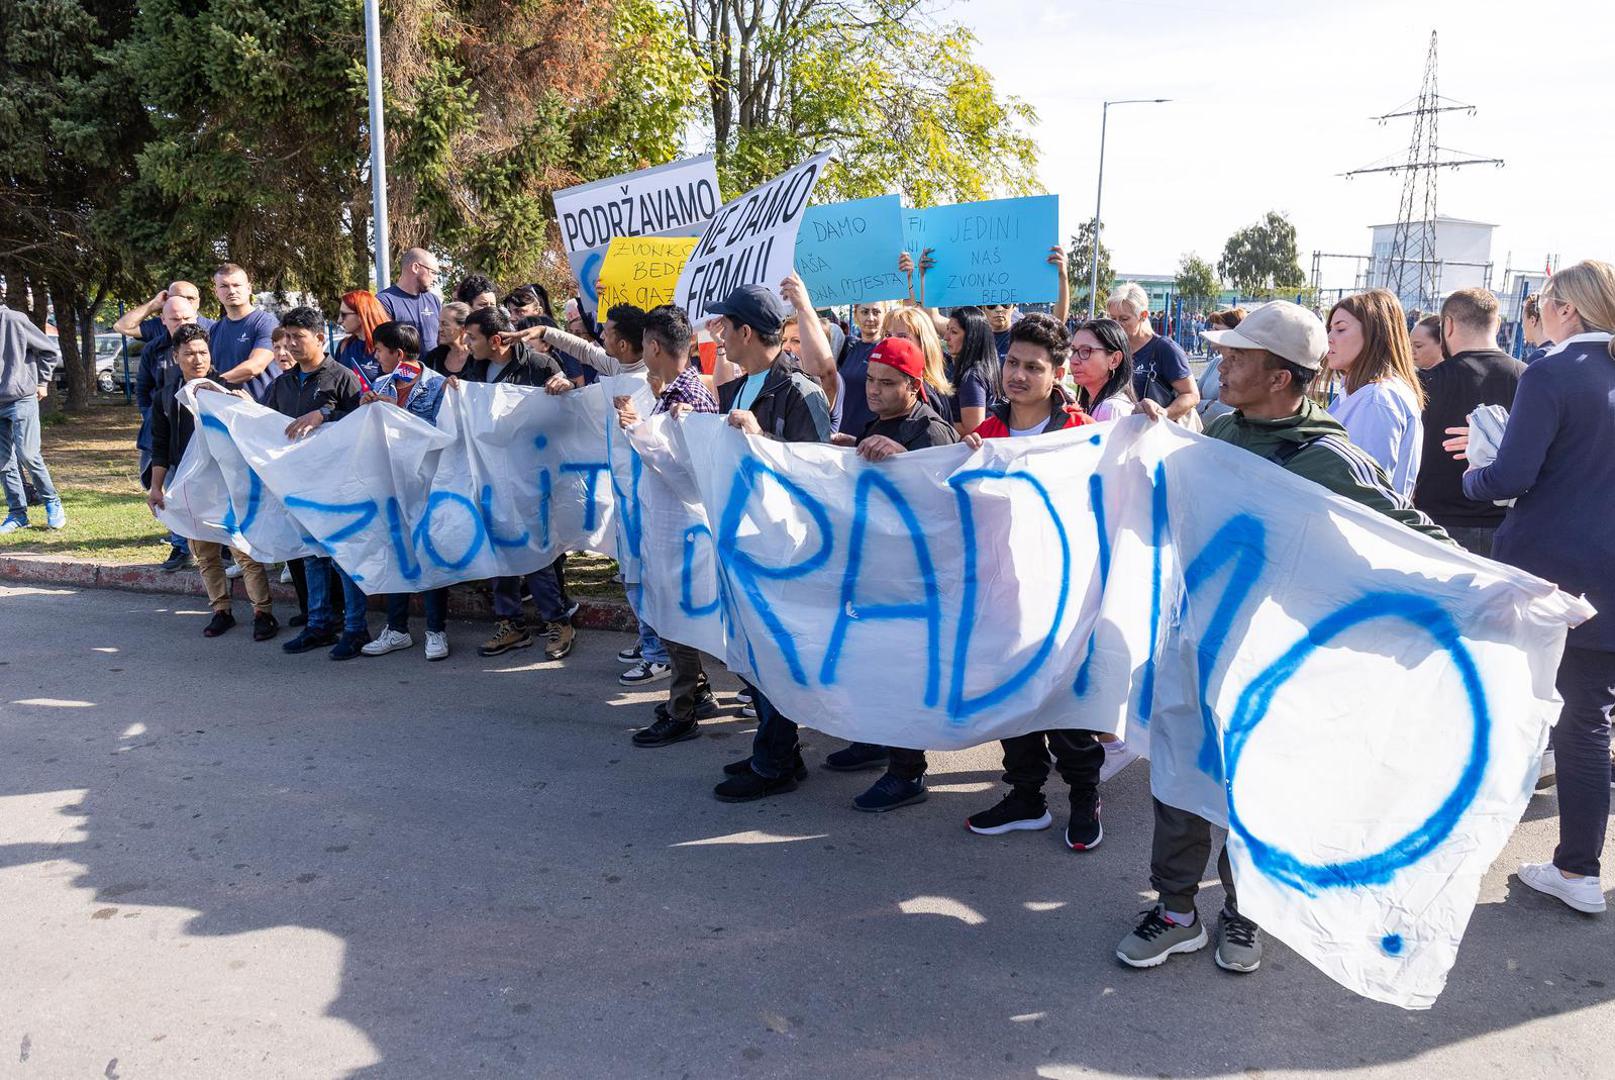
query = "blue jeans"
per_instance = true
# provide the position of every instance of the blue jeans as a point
(317, 570)
(19, 449)
(651, 649)
(436, 602)
(773, 748)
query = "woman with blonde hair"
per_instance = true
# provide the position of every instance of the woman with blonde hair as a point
(1557, 460)
(1382, 400)
(917, 325)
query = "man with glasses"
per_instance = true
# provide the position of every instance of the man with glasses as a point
(410, 299)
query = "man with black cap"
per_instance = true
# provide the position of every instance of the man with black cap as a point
(1268, 362)
(902, 421)
(774, 399)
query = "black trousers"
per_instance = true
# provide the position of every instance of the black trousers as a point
(1078, 756)
(1178, 854)
(1580, 744)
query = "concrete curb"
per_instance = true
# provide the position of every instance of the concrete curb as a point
(472, 600)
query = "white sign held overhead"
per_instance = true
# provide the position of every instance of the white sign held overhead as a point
(676, 199)
(751, 241)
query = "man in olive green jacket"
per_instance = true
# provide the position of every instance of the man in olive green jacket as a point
(1268, 361)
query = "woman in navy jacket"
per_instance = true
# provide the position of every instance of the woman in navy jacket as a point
(1557, 459)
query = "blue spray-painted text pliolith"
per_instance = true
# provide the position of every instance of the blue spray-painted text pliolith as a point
(746, 572)
(479, 535)
(408, 565)
(959, 706)
(627, 501)
(687, 602)
(487, 521)
(929, 608)
(1242, 539)
(590, 471)
(1096, 499)
(1158, 524)
(1257, 697)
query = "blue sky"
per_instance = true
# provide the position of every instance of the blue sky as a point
(1273, 100)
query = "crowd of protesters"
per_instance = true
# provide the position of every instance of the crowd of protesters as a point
(1357, 401)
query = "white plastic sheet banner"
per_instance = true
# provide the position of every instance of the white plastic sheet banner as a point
(1364, 707)
(509, 478)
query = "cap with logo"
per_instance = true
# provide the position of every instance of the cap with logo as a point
(1286, 330)
(754, 306)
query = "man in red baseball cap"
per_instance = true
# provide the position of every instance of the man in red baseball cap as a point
(902, 422)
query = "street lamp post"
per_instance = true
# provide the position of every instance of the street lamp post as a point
(378, 144)
(1104, 119)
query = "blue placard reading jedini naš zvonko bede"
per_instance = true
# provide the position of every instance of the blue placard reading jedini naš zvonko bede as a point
(993, 252)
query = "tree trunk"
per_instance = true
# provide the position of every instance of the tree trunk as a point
(40, 310)
(80, 385)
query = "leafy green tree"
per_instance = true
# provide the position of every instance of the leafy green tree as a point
(897, 99)
(69, 130)
(1197, 282)
(1262, 256)
(1079, 268)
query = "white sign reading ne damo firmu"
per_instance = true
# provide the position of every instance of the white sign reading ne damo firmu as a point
(751, 241)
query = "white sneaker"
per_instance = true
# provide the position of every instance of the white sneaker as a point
(285, 573)
(1583, 893)
(645, 672)
(630, 655)
(390, 641)
(1118, 755)
(234, 570)
(437, 644)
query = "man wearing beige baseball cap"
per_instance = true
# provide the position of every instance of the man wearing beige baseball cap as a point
(1268, 361)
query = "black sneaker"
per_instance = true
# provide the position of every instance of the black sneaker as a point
(264, 626)
(860, 755)
(1015, 811)
(748, 786)
(311, 638)
(178, 559)
(743, 766)
(221, 621)
(890, 792)
(1084, 832)
(297, 620)
(667, 731)
(706, 707)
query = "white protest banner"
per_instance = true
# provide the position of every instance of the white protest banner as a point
(1363, 706)
(751, 241)
(214, 495)
(509, 478)
(676, 199)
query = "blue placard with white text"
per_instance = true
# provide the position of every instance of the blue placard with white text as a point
(993, 252)
(847, 252)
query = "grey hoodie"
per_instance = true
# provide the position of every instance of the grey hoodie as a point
(27, 356)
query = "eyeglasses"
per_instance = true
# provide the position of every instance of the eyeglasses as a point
(1082, 352)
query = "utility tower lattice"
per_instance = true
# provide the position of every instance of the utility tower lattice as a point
(1412, 270)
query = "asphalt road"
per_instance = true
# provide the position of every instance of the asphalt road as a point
(220, 861)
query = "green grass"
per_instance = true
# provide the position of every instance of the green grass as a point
(92, 460)
(93, 463)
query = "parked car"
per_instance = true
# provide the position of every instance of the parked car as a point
(108, 364)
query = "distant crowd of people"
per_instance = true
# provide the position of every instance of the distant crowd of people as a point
(1354, 402)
